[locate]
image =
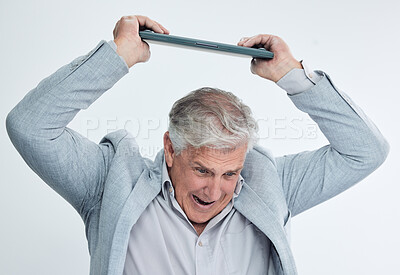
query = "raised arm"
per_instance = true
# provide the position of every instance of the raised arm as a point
(68, 162)
(356, 146)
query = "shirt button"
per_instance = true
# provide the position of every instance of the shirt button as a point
(200, 244)
(310, 75)
(170, 190)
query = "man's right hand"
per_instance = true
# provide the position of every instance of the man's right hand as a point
(129, 44)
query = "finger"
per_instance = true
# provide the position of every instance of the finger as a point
(163, 28)
(147, 23)
(258, 40)
(242, 41)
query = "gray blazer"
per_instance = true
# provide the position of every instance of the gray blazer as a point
(110, 184)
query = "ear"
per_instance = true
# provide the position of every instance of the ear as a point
(169, 152)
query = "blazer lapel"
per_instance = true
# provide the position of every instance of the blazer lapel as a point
(250, 205)
(146, 189)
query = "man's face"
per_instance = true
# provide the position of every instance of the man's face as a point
(204, 180)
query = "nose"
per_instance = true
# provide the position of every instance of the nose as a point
(213, 189)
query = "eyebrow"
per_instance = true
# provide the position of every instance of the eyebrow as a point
(213, 170)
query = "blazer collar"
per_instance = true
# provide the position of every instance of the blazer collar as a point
(250, 205)
(146, 189)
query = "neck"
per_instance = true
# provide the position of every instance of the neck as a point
(199, 227)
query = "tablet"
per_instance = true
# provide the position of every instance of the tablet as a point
(167, 39)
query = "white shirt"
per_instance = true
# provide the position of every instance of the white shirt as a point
(163, 241)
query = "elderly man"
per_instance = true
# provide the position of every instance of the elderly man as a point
(212, 202)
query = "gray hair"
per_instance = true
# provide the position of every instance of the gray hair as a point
(213, 118)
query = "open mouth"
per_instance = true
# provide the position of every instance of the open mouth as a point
(199, 201)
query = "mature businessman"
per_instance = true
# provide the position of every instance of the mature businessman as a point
(212, 202)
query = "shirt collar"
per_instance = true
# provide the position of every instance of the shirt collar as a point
(167, 187)
(239, 186)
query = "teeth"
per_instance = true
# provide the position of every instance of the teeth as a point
(200, 201)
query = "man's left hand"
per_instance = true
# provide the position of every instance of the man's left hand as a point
(275, 68)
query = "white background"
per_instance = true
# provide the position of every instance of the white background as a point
(356, 42)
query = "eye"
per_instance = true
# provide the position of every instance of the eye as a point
(230, 174)
(201, 170)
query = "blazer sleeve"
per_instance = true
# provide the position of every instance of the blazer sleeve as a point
(72, 165)
(356, 149)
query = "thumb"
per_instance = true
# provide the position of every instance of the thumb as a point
(146, 52)
(253, 66)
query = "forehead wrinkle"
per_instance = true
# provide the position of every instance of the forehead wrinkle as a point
(207, 157)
